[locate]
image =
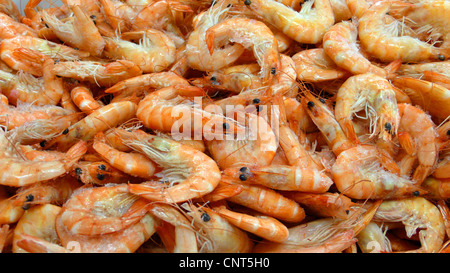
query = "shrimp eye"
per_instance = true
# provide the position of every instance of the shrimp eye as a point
(100, 176)
(322, 100)
(247, 2)
(76, 48)
(93, 16)
(416, 193)
(256, 101)
(205, 217)
(441, 57)
(65, 132)
(347, 211)
(29, 198)
(242, 177)
(243, 169)
(213, 79)
(78, 171)
(388, 127)
(310, 104)
(448, 132)
(43, 143)
(229, 5)
(46, 25)
(226, 126)
(102, 167)
(273, 71)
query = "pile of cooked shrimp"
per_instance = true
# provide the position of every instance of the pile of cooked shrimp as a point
(225, 126)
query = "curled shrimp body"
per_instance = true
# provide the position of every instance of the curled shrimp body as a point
(282, 177)
(100, 120)
(306, 26)
(198, 55)
(417, 215)
(263, 226)
(82, 97)
(360, 173)
(132, 163)
(251, 34)
(20, 172)
(373, 32)
(154, 52)
(191, 172)
(364, 91)
(314, 65)
(372, 239)
(340, 44)
(420, 127)
(101, 210)
(433, 98)
(100, 73)
(39, 222)
(28, 53)
(78, 32)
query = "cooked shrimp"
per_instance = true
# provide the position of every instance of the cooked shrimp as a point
(216, 234)
(340, 44)
(325, 120)
(250, 34)
(437, 188)
(10, 28)
(306, 26)
(325, 235)
(263, 226)
(78, 32)
(297, 117)
(153, 52)
(100, 73)
(421, 128)
(267, 201)
(282, 177)
(100, 173)
(38, 221)
(314, 65)
(10, 8)
(373, 94)
(198, 55)
(10, 211)
(82, 97)
(433, 98)
(418, 70)
(416, 213)
(28, 53)
(442, 169)
(100, 120)
(132, 163)
(185, 239)
(257, 147)
(190, 172)
(360, 173)
(19, 172)
(387, 43)
(168, 110)
(324, 204)
(127, 240)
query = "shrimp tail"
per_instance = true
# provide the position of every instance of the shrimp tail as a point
(75, 153)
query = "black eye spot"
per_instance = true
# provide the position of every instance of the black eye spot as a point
(65, 132)
(448, 132)
(310, 104)
(93, 16)
(388, 127)
(102, 167)
(247, 2)
(205, 217)
(256, 101)
(78, 171)
(441, 57)
(243, 169)
(29, 198)
(322, 100)
(76, 48)
(46, 25)
(100, 176)
(229, 5)
(226, 126)
(242, 177)
(416, 193)
(347, 211)
(213, 79)
(43, 143)
(273, 71)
